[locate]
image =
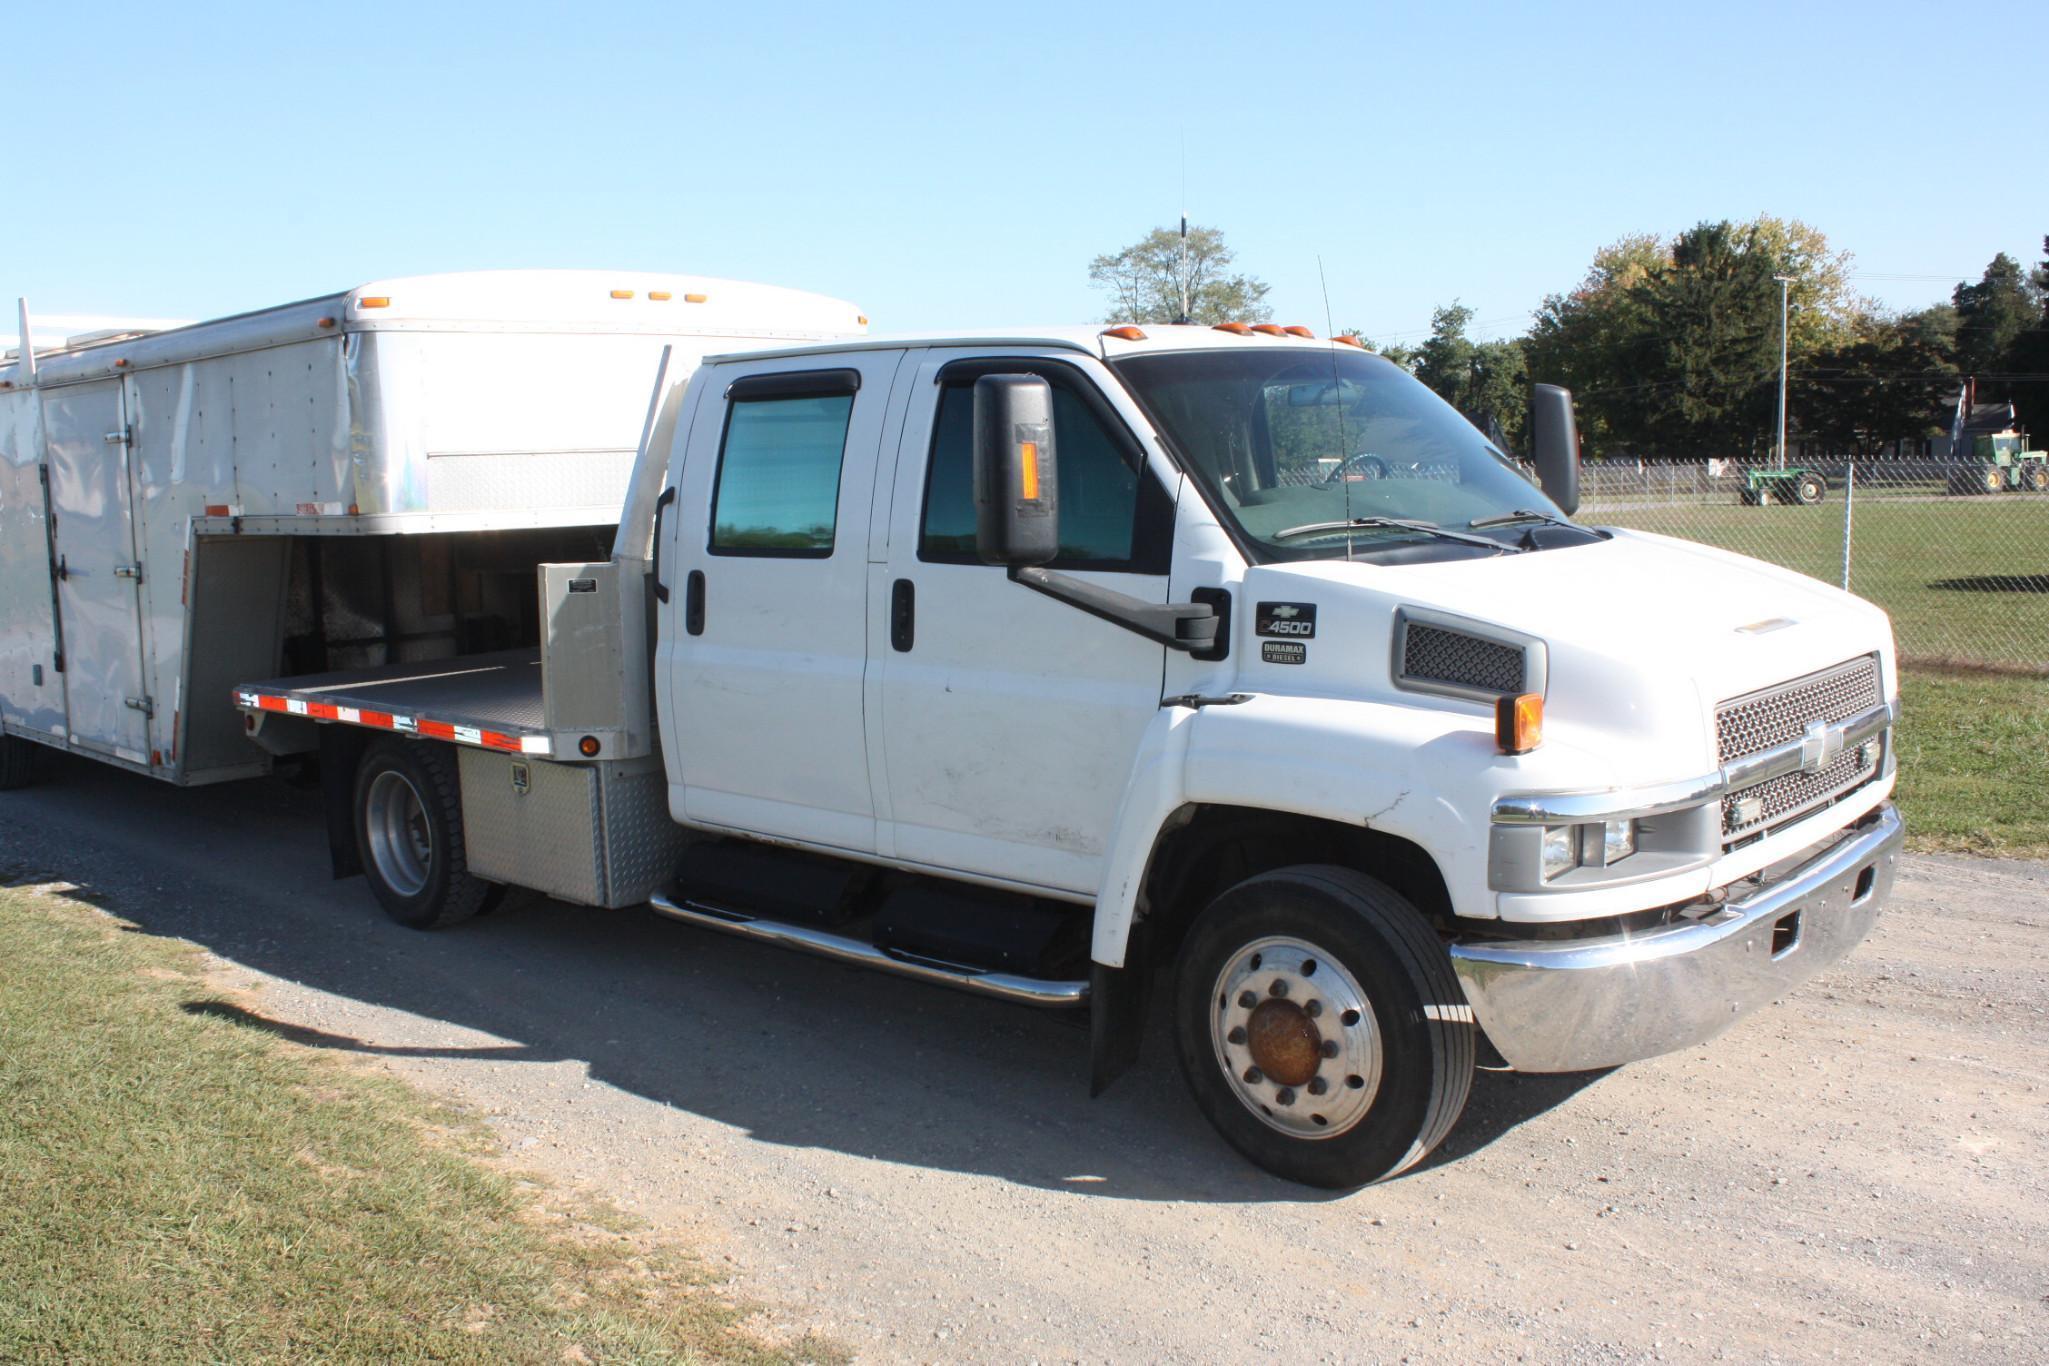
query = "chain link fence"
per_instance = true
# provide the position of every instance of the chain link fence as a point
(1956, 551)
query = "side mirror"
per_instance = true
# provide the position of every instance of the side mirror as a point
(1554, 444)
(1017, 485)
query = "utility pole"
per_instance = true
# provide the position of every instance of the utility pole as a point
(1785, 282)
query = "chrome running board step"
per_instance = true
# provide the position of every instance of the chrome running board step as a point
(1031, 991)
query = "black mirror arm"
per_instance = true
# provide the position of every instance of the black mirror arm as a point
(1190, 626)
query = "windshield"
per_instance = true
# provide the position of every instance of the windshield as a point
(1297, 447)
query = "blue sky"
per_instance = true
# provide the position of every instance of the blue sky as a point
(958, 165)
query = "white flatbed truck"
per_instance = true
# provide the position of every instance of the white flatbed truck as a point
(1050, 663)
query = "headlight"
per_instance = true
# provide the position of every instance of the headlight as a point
(1567, 847)
(1561, 849)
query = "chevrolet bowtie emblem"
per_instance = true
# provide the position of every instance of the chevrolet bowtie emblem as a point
(1818, 745)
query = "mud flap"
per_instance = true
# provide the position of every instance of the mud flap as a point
(1118, 998)
(341, 749)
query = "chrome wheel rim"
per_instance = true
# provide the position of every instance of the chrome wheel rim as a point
(401, 842)
(1296, 1038)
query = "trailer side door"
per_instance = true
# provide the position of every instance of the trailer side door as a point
(92, 503)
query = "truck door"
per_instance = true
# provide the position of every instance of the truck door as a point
(97, 569)
(764, 648)
(1009, 721)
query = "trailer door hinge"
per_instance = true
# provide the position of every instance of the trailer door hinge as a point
(121, 437)
(146, 705)
(128, 571)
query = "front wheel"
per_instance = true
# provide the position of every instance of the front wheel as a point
(409, 831)
(2035, 478)
(1810, 490)
(1321, 1027)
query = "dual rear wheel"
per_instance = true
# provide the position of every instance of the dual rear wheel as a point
(408, 806)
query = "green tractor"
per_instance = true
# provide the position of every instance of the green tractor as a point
(1998, 463)
(1793, 484)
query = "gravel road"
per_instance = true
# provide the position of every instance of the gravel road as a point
(1860, 1172)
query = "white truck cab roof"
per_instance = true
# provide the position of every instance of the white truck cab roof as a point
(1108, 341)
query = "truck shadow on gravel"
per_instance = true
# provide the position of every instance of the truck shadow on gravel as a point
(794, 1050)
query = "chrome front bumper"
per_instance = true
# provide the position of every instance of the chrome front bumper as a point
(1567, 1005)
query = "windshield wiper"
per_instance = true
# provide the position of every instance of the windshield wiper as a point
(1398, 523)
(1532, 515)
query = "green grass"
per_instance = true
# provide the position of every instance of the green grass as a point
(1965, 579)
(1974, 763)
(179, 1184)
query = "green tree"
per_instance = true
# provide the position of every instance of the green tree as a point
(1485, 380)
(1710, 349)
(1992, 316)
(1146, 281)
(1888, 383)
(2030, 356)
(1825, 310)
(1584, 340)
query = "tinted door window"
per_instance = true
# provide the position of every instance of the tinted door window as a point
(1098, 487)
(779, 476)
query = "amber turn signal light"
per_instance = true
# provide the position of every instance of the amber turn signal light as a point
(1519, 723)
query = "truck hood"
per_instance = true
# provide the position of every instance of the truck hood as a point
(1644, 634)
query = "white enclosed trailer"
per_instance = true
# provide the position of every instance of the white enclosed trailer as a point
(358, 479)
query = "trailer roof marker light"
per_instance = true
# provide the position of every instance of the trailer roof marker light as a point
(861, 319)
(374, 301)
(1349, 340)
(325, 322)
(695, 298)
(1235, 329)
(1126, 333)
(1519, 723)
(660, 296)
(622, 293)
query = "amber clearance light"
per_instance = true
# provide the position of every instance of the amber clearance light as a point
(1519, 723)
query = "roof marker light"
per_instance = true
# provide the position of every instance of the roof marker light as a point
(1350, 340)
(1297, 330)
(1235, 329)
(861, 319)
(1124, 333)
(660, 296)
(1270, 329)
(695, 298)
(326, 322)
(374, 301)
(622, 293)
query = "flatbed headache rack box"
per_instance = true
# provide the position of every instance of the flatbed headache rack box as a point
(360, 480)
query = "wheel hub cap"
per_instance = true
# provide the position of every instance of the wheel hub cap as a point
(1284, 1042)
(1295, 1036)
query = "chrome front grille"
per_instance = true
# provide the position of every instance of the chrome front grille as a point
(1779, 715)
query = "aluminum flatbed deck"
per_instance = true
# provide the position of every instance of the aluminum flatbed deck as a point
(492, 701)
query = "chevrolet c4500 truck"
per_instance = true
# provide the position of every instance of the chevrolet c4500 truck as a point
(1054, 665)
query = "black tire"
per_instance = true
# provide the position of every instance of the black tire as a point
(17, 762)
(408, 806)
(1418, 1046)
(1811, 489)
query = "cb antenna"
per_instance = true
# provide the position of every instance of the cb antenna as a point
(1185, 300)
(1337, 390)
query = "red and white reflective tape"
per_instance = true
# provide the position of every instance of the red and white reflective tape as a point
(398, 722)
